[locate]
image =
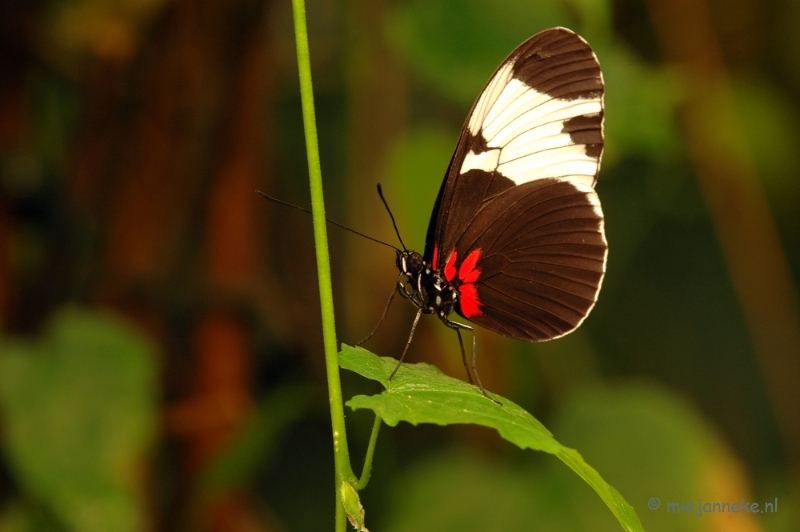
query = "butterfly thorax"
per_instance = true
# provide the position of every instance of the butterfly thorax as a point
(426, 288)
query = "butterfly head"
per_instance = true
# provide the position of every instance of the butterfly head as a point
(410, 263)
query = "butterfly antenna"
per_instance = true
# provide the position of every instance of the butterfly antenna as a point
(276, 200)
(396, 230)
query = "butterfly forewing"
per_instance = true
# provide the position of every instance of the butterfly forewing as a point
(517, 227)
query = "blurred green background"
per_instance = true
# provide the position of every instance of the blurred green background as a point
(160, 350)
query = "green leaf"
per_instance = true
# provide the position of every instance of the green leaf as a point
(79, 417)
(420, 393)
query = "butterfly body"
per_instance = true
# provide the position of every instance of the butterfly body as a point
(427, 289)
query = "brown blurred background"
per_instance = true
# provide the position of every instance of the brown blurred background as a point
(161, 364)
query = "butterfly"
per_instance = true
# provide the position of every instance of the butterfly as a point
(516, 242)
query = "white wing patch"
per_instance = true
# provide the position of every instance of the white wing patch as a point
(524, 131)
(515, 100)
(591, 195)
(489, 97)
(557, 162)
(552, 112)
(487, 161)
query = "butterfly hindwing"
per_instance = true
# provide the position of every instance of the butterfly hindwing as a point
(531, 262)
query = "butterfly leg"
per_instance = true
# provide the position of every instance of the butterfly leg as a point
(408, 343)
(463, 354)
(385, 313)
(457, 327)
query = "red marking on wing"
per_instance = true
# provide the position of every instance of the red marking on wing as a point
(435, 263)
(469, 272)
(470, 304)
(450, 267)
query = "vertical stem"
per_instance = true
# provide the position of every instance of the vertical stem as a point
(341, 456)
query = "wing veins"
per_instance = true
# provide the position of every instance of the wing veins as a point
(502, 233)
(485, 125)
(554, 275)
(538, 152)
(543, 297)
(512, 204)
(537, 327)
(534, 228)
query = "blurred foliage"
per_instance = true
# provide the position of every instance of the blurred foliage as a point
(634, 427)
(413, 170)
(107, 30)
(771, 124)
(455, 45)
(254, 446)
(80, 417)
(114, 108)
(627, 429)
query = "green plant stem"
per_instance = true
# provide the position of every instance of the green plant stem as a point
(344, 472)
(361, 483)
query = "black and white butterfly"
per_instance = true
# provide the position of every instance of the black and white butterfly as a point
(516, 242)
